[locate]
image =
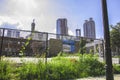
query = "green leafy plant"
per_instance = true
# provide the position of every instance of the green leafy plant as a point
(5, 70)
(59, 68)
(116, 68)
(27, 71)
(24, 46)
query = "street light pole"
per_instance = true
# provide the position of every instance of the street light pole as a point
(108, 57)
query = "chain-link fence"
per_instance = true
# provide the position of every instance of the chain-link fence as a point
(14, 42)
(22, 42)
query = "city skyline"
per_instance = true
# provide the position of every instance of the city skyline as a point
(20, 13)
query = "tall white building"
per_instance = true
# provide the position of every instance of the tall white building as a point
(89, 29)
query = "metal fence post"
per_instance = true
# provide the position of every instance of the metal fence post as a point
(1, 46)
(46, 46)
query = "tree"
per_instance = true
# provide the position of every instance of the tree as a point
(115, 38)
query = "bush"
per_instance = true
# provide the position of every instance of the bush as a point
(116, 68)
(91, 65)
(59, 68)
(27, 71)
(32, 71)
(5, 70)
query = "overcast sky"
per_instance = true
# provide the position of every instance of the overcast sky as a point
(20, 13)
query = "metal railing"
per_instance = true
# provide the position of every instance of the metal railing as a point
(16, 42)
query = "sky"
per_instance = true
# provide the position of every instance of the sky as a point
(18, 14)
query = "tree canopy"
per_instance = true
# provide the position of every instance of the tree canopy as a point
(115, 36)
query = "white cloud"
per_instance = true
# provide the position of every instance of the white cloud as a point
(7, 22)
(70, 32)
(22, 12)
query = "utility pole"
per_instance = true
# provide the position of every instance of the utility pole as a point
(108, 56)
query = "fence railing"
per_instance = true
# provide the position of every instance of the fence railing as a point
(16, 42)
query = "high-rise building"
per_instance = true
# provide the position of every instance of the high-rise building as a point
(89, 29)
(62, 27)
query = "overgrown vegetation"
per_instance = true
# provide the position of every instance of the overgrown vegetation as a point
(24, 46)
(5, 70)
(116, 68)
(59, 68)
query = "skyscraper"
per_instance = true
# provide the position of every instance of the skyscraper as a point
(89, 29)
(62, 27)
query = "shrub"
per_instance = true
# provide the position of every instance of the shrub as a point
(59, 68)
(41, 70)
(90, 65)
(116, 68)
(32, 71)
(5, 70)
(27, 71)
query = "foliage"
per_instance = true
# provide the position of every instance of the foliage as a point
(91, 65)
(27, 71)
(24, 46)
(5, 70)
(116, 68)
(59, 68)
(63, 54)
(115, 36)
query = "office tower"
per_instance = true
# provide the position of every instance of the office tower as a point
(78, 34)
(89, 29)
(62, 28)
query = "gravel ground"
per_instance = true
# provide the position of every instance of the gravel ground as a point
(116, 77)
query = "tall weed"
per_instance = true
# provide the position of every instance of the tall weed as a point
(5, 70)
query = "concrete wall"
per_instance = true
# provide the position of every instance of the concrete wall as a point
(55, 46)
